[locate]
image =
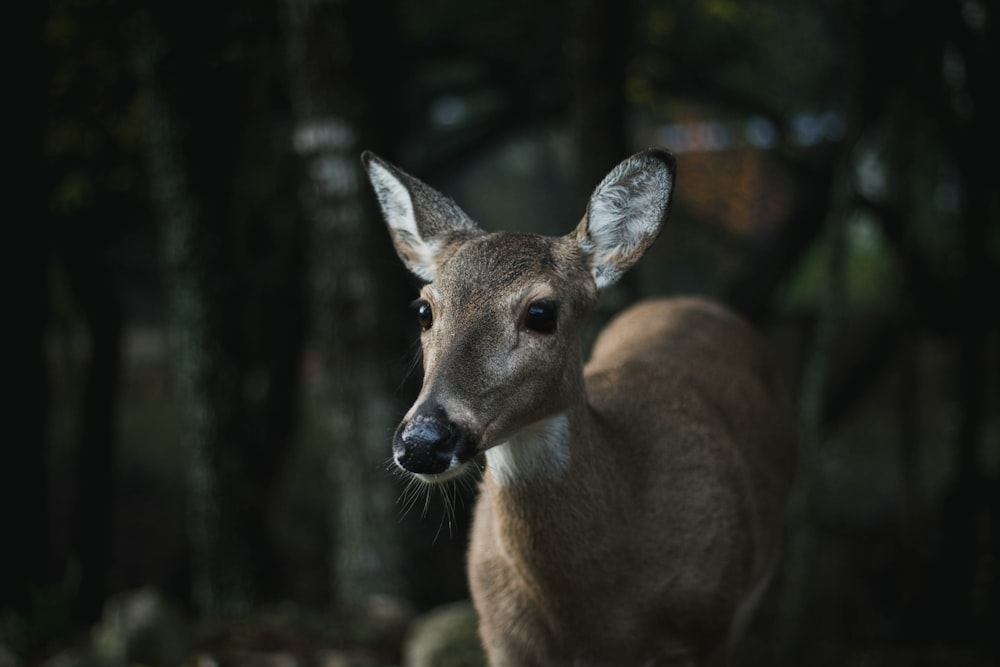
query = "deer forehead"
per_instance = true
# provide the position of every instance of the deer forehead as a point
(509, 269)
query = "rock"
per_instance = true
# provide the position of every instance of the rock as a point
(7, 657)
(141, 627)
(445, 637)
(73, 657)
(382, 620)
(334, 658)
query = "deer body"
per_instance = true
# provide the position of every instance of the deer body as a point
(630, 508)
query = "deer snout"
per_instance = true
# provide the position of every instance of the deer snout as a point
(428, 443)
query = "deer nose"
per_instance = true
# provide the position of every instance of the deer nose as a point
(427, 443)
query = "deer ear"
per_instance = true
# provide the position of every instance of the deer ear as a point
(625, 214)
(397, 208)
(422, 221)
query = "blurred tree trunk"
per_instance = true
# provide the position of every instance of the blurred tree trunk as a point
(93, 284)
(323, 50)
(971, 507)
(230, 257)
(597, 53)
(941, 116)
(84, 233)
(24, 504)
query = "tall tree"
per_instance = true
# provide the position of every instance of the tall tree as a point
(597, 54)
(23, 460)
(93, 203)
(325, 49)
(230, 255)
(941, 131)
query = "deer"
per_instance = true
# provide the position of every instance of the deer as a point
(630, 510)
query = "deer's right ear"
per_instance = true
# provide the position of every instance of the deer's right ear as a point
(625, 214)
(422, 221)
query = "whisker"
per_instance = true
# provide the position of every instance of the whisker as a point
(412, 365)
(452, 494)
(410, 494)
(449, 509)
(468, 486)
(446, 515)
(429, 490)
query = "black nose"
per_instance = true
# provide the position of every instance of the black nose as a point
(427, 442)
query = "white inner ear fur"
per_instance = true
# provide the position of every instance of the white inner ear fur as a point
(537, 452)
(625, 210)
(397, 207)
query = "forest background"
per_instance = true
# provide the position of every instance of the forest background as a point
(213, 334)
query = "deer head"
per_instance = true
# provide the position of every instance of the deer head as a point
(501, 312)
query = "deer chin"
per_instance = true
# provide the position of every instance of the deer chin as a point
(454, 471)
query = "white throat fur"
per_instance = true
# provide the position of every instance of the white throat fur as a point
(538, 451)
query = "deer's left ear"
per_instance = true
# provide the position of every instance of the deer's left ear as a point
(625, 214)
(422, 221)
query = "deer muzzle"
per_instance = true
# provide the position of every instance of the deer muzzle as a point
(428, 443)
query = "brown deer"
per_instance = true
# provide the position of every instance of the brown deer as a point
(631, 509)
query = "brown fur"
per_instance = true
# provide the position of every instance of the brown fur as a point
(669, 513)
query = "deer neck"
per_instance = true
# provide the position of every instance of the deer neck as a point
(544, 489)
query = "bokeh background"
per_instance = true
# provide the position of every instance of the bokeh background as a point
(212, 339)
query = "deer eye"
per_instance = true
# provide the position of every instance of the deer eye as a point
(542, 317)
(425, 314)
